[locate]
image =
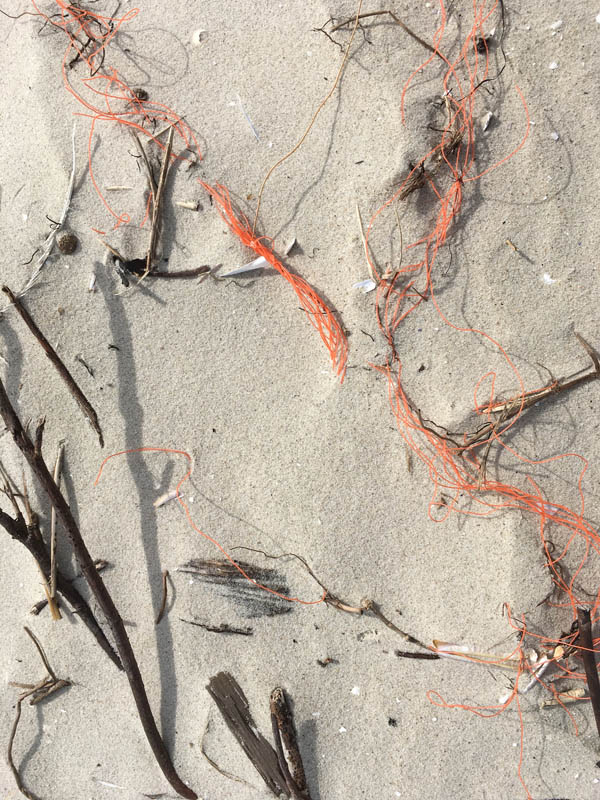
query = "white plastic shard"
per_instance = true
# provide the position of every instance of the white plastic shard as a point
(258, 263)
(367, 285)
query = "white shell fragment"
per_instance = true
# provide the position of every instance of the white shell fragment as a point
(355, 690)
(367, 285)
(547, 279)
(289, 247)
(258, 263)
(164, 498)
(553, 65)
(198, 36)
(487, 119)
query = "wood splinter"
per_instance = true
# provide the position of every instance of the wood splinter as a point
(281, 769)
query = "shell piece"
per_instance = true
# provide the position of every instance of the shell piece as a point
(67, 243)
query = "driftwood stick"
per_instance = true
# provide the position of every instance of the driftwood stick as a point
(64, 373)
(589, 661)
(284, 734)
(233, 705)
(99, 590)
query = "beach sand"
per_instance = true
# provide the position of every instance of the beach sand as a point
(286, 458)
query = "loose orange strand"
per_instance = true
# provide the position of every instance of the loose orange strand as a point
(193, 524)
(319, 314)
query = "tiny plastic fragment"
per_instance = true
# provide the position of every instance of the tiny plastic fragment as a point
(367, 285)
(258, 263)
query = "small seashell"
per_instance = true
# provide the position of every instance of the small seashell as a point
(67, 243)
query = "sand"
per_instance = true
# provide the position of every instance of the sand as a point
(285, 457)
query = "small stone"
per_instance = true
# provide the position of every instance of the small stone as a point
(141, 94)
(67, 243)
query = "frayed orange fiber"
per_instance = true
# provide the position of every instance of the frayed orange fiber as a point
(320, 315)
(192, 523)
(454, 462)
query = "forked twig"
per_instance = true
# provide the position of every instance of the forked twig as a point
(38, 692)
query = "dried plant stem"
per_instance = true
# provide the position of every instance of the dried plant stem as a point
(105, 601)
(156, 206)
(56, 476)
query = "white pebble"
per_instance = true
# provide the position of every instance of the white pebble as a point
(556, 25)
(598, 19)
(342, 729)
(553, 65)
(356, 690)
(555, 136)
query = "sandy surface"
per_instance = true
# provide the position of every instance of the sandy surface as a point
(286, 458)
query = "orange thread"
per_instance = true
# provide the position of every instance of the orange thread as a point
(193, 525)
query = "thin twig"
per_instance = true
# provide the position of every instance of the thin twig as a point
(182, 273)
(163, 604)
(99, 590)
(40, 650)
(222, 628)
(64, 373)
(396, 20)
(371, 605)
